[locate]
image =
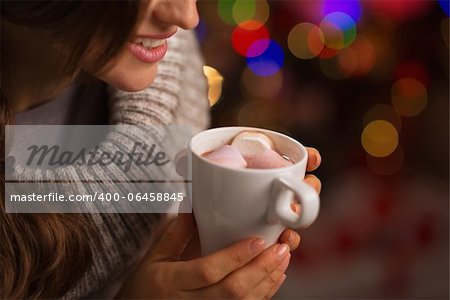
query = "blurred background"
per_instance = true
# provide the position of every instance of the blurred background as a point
(367, 83)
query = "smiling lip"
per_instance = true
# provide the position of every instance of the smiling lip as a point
(150, 55)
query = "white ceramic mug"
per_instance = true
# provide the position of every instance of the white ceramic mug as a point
(233, 204)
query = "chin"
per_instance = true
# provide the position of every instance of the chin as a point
(133, 84)
(133, 80)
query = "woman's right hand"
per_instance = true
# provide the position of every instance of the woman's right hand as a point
(243, 270)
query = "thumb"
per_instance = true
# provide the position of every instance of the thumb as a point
(174, 239)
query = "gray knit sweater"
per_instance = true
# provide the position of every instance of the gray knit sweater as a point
(177, 96)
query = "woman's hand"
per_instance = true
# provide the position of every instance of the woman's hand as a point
(243, 270)
(289, 236)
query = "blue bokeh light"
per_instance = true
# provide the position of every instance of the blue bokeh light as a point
(201, 31)
(445, 5)
(345, 23)
(269, 62)
(349, 7)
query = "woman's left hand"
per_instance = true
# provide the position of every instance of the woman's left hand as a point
(289, 236)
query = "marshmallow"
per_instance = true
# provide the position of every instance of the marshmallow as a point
(269, 159)
(252, 143)
(227, 156)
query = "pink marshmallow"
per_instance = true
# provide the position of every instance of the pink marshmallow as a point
(269, 159)
(227, 156)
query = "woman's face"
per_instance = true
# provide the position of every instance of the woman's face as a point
(134, 68)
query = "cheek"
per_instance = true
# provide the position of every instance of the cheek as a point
(128, 74)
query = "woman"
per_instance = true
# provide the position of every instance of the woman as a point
(49, 50)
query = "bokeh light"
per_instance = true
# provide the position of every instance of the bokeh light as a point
(261, 87)
(388, 165)
(243, 10)
(243, 38)
(445, 5)
(349, 7)
(305, 40)
(339, 30)
(409, 97)
(379, 138)
(215, 80)
(225, 10)
(347, 61)
(383, 112)
(201, 31)
(327, 53)
(269, 62)
(358, 59)
(257, 10)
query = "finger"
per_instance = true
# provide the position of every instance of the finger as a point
(208, 270)
(270, 284)
(276, 287)
(174, 239)
(314, 159)
(313, 181)
(242, 282)
(291, 238)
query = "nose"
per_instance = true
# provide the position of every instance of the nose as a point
(182, 13)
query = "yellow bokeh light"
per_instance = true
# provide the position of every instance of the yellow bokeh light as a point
(305, 40)
(409, 97)
(215, 81)
(261, 87)
(245, 10)
(379, 138)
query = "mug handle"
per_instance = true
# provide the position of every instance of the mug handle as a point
(280, 209)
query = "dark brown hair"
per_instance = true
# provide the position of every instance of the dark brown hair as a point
(44, 255)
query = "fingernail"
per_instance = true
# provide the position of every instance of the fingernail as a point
(257, 245)
(318, 159)
(285, 263)
(282, 249)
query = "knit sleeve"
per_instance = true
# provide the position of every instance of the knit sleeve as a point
(177, 96)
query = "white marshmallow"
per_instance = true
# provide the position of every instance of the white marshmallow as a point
(252, 143)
